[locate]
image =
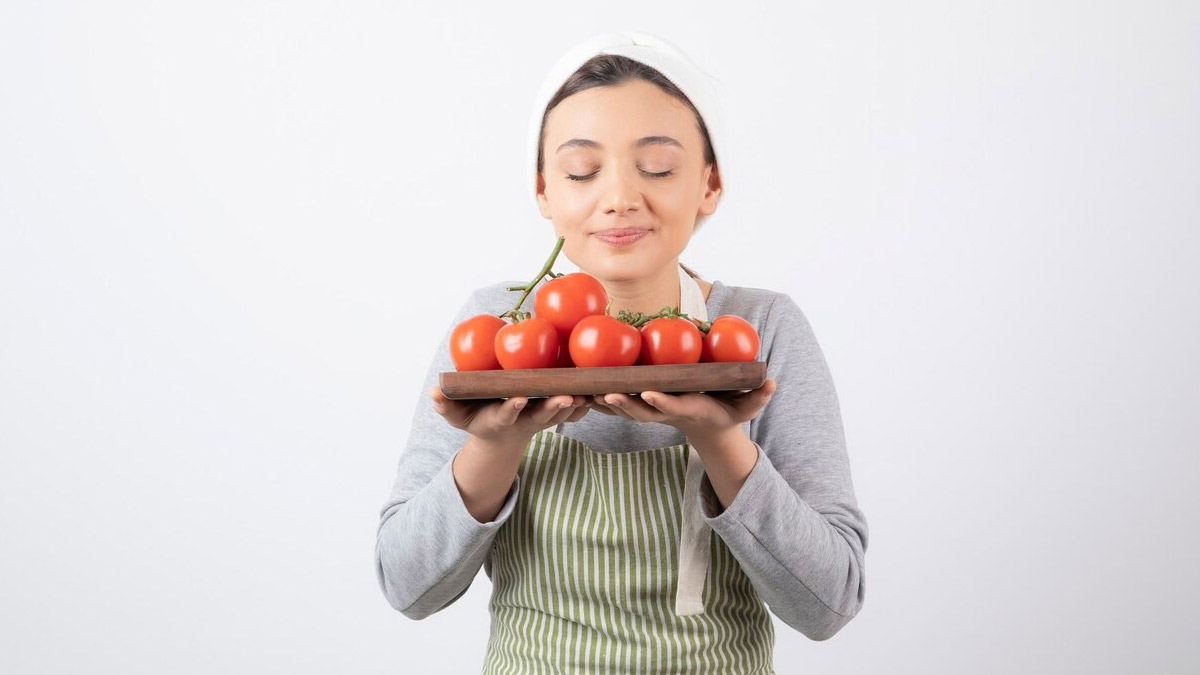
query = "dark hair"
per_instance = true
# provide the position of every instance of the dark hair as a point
(611, 70)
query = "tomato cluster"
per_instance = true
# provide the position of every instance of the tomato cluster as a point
(570, 326)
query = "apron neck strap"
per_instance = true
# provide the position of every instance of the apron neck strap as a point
(691, 297)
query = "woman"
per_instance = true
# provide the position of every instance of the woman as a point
(594, 516)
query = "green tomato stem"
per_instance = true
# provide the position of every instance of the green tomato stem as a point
(639, 319)
(528, 288)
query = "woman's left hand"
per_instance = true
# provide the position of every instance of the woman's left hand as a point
(696, 415)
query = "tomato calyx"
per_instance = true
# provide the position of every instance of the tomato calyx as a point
(639, 319)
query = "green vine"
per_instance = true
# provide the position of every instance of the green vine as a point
(515, 314)
(639, 319)
(635, 319)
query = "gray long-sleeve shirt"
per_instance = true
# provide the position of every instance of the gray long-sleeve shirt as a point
(795, 526)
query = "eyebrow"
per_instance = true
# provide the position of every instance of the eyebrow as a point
(641, 143)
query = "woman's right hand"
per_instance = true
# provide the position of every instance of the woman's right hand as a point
(499, 432)
(509, 423)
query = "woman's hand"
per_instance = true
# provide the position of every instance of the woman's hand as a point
(509, 423)
(712, 424)
(499, 432)
(698, 416)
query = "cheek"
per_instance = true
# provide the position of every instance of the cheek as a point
(569, 220)
(570, 212)
(562, 199)
(675, 200)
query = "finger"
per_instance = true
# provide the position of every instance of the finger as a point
(599, 405)
(579, 413)
(564, 400)
(672, 406)
(562, 416)
(633, 407)
(604, 409)
(438, 398)
(456, 413)
(622, 414)
(769, 386)
(575, 409)
(545, 410)
(510, 411)
(441, 404)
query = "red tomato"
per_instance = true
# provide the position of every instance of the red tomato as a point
(532, 343)
(565, 300)
(473, 343)
(601, 340)
(667, 341)
(731, 338)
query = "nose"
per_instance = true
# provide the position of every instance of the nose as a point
(622, 193)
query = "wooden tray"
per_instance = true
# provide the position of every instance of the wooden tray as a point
(585, 381)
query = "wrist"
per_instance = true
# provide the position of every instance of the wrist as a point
(483, 473)
(495, 449)
(728, 458)
(718, 441)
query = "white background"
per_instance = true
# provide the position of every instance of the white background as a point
(232, 234)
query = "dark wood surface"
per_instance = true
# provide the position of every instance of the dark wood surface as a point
(584, 381)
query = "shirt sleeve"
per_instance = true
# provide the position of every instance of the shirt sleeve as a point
(795, 526)
(428, 546)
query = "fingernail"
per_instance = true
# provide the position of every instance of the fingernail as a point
(519, 405)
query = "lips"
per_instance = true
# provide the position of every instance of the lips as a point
(622, 236)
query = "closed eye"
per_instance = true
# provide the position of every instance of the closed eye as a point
(661, 174)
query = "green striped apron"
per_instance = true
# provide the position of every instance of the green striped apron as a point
(604, 565)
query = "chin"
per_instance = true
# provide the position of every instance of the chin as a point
(618, 268)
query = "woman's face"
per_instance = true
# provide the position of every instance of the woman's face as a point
(624, 179)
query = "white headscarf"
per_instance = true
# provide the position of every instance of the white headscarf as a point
(700, 88)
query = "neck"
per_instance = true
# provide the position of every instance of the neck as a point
(645, 295)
